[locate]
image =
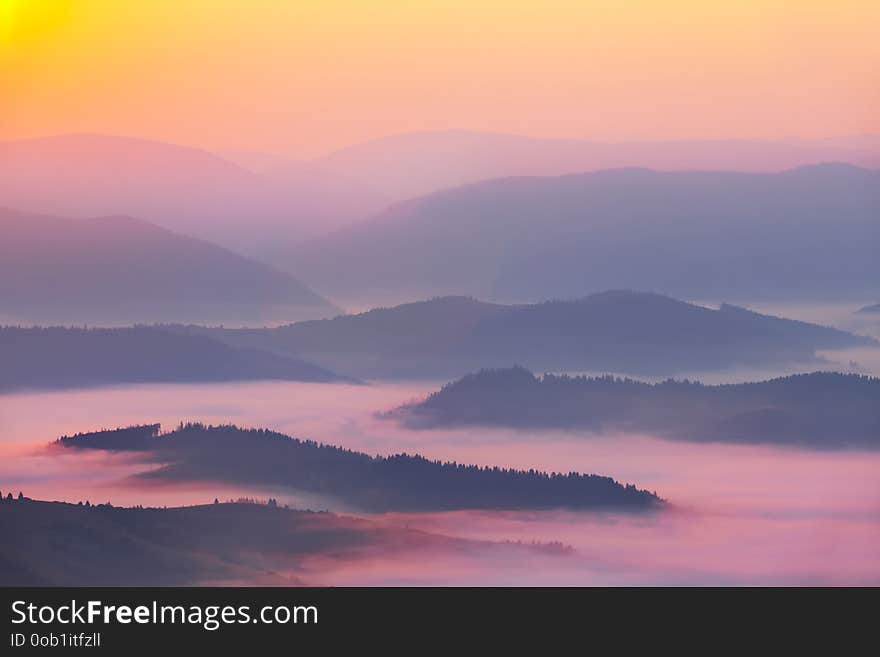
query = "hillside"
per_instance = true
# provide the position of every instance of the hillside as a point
(819, 410)
(124, 270)
(195, 452)
(617, 331)
(808, 234)
(54, 358)
(58, 544)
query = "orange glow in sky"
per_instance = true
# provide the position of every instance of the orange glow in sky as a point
(305, 76)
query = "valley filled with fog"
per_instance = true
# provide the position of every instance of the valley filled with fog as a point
(736, 514)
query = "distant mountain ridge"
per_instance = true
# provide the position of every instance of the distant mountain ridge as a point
(821, 410)
(275, 208)
(124, 270)
(184, 189)
(56, 358)
(416, 163)
(807, 233)
(196, 452)
(618, 331)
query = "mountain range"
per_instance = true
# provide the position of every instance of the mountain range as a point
(186, 190)
(617, 331)
(388, 216)
(803, 234)
(416, 163)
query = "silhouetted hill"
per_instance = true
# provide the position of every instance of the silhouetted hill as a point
(187, 190)
(58, 544)
(416, 163)
(124, 270)
(394, 483)
(822, 409)
(72, 357)
(616, 331)
(870, 309)
(807, 233)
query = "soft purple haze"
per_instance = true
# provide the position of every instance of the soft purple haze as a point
(416, 163)
(183, 189)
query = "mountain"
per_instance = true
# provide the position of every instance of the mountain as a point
(59, 544)
(123, 270)
(186, 190)
(412, 164)
(808, 233)
(195, 452)
(820, 410)
(48, 358)
(870, 309)
(618, 331)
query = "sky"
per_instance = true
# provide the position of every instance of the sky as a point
(304, 77)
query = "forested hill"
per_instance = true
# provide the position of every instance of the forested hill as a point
(822, 409)
(395, 483)
(60, 544)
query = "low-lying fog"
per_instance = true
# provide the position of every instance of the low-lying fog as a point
(739, 514)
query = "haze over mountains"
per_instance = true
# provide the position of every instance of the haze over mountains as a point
(412, 164)
(821, 409)
(266, 205)
(617, 331)
(809, 233)
(186, 190)
(122, 270)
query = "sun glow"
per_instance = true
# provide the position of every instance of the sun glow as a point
(25, 22)
(307, 76)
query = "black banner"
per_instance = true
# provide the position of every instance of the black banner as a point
(115, 620)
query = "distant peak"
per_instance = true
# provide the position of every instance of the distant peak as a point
(828, 167)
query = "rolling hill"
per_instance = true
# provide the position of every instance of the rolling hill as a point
(54, 358)
(616, 331)
(820, 410)
(121, 270)
(196, 452)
